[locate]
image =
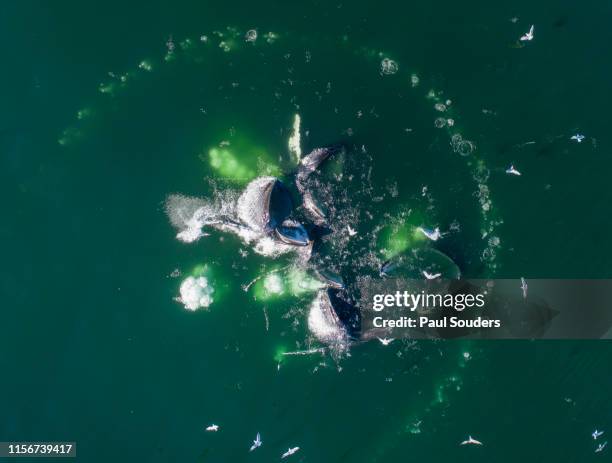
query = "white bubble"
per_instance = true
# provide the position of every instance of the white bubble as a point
(251, 35)
(465, 148)
(196, 293)
(440, 122)
(271, 37)
(388, 66)
(145, 65)
(440, 107)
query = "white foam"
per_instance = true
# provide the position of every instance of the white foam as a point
(193, 227)
(196, 293)
(189, 235)
(273, 284)
(190, 214)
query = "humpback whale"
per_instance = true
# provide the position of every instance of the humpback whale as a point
(264, 204)
(309, 164)
(333, 319)
(331, 279)
(292, 232)
(262, 213)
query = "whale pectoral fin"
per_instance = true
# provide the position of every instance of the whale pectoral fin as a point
(330, 279)
(312, 161)
(314, 210)
(315, 158)
(308, 165)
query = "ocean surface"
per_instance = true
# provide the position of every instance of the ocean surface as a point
(108, 108)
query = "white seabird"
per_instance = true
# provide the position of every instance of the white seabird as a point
(351, 230)
(578, 137)
(471, 441)
(256, 443)
(600, 447)
(431, 276)
(528, 36)
(433, 235)
(385, 341)
(596, 434)
(212, 428)
(512, 170)
(524, 287)
(289, 452)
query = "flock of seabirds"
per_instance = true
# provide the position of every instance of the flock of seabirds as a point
(273, 220)
(596, 434)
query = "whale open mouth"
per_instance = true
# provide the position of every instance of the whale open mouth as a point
(264, 204)
(331, 279)
(333, 319)
(291, 232)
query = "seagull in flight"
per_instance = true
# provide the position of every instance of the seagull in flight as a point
(471, 441)
(528, 36)
(578, 137)
(433, 235)
(351, 230)
(431, 276)
(385, 341)
(256, 443)
(600, 447)
(289, 452)
(512, 171)
(596, 434)
(212, 428)
(524, 287)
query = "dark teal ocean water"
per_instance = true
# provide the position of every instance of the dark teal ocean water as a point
(99, 124)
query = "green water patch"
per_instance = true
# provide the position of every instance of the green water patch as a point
(285, 283)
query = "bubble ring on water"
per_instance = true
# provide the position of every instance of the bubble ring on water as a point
(465, 148)
(251, 35)
(441, 107)
(440, 123)
(455, 140)
(388, 66)
(230, 40)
